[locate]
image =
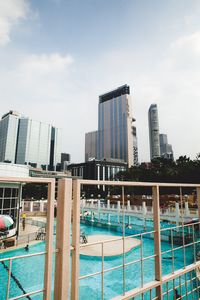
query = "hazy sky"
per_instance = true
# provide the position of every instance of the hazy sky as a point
(57, 56)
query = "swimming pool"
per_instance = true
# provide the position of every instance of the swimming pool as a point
(30, 271)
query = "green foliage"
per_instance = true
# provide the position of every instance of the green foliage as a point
(183, 170)
(38, 191)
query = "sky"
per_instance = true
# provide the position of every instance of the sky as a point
(58, 56)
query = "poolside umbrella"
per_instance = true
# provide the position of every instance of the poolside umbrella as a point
(5, 222)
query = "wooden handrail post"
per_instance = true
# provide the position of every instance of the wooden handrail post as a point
(63, 226)
(49, 241)
(157, 240)
(75, 240)
(198, 203)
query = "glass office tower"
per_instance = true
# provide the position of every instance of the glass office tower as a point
(115, 138)
(25, 141)
(38, 144)
(33, 147)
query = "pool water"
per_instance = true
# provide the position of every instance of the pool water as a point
(139, 224)
(30, 271)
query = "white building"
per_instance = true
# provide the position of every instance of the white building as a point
(13, 170)
(10, 194)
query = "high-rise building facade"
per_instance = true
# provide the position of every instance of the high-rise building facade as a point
(154, 140)
(115, 138)
(8, 136)
(165, 148)
(25, 141)
(65, 161)
(55, 148)
(135, 146)
(91, 145)
(33, 146)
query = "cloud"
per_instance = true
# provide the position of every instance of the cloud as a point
(11, 12)
(191, 41)
(40, 87)
(46, 63)
(37, 77)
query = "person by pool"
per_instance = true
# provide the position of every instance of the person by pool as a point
(26, 247)
(23, 221)
(177, 296)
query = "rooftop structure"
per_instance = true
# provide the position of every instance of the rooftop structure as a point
(122, 90)
(11, 112)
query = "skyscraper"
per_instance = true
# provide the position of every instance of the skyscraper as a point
(135, 146)
(154, 140)
(25, 141)
(55, 148)
(33, 146)
(115, 137)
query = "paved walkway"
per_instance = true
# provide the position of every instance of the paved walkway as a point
(42, 219)
(111, 248)
(28, 229)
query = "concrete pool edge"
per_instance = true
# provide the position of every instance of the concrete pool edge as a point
(113, 246)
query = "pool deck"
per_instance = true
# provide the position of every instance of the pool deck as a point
(23, 236)
(112, 245)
